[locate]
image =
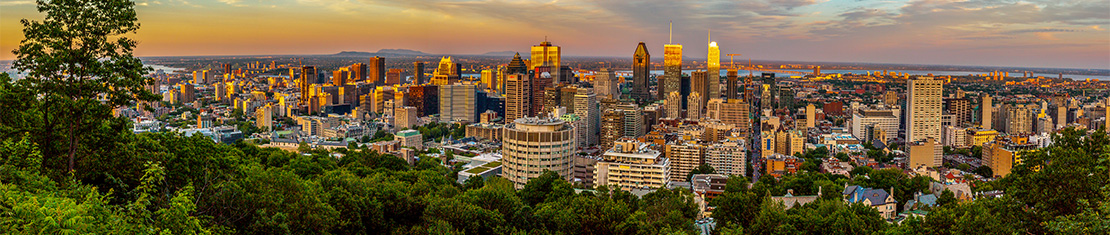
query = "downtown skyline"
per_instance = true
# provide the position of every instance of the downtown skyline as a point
(1066, 34)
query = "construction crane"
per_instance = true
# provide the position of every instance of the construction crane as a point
(730, 60)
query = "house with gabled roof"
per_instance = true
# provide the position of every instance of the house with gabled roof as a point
(875, 198)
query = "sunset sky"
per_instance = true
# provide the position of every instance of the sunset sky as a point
(1036, 33)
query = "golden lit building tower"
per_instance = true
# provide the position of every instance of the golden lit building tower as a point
(672, 69)
(358, 72)
(987, 111)
(518, 97)
(339, 77)
(714, 66)
(418, 73)
(376, 71)
(641, 67)
(1107, 115)
(532, 145)
(488, 79)
(308, 76)
(546, 54)
(923, 99)
(445, 72)
(811, 116)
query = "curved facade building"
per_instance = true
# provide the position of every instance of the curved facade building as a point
(532, 145)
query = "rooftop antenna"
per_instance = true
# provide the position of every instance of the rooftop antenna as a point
(670, 32)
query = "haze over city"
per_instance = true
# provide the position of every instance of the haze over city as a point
(1062, 34)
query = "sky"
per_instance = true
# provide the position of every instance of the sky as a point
(1027, 33)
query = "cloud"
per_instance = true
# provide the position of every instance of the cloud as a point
(16, 2)
(1021, 31)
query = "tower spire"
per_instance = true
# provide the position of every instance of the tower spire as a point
(670, 32)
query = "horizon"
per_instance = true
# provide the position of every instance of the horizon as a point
(1069, 34)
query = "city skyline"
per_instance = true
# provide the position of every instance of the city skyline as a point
(1068, 34)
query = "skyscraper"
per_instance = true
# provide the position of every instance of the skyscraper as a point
(672, 70)
(714, 66)
(641, 67)
(606, 84)
(731, 87)
(339, 77)
(518, 97)
(308, 76)
(446, 72)
(987, 109)
(376, 71)
(960, 107)
(532, 145)
(547, 54)
(585, 105)
(924, 105)
(699, 83)
(358, 72)
(673, 105)
(457, 103)
(694, 106)
(418, 73)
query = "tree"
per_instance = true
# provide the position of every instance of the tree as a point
(946, 198)
(79, 66)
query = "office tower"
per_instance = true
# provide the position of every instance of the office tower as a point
(1018, 119)
(376, 71)
(961, 107)
(634, 123)
(308, 76)
(699, 83)
(393, 77)
(786, 97)
(673, 105)
(811, 116)
(924, 108)
(693, 111)
(987, 112)
(672, 70)
(541, 80)
(339, 77)
(418, 73)
(732, 112)
(358, 72)
(684, 157)
(551, 99)
(227, 68)
(490, 102)
(532, 145)
(264, 117)
(766, 100)
(885, 120)
(546, 54)
(731, 87)
(641, 68)
(606, 85)
(446, 73)
(714, 66)
(612, 127)
(632, 166)
(488, 79)
(188, 92)
(585, 105)
(405, 117)
(566, 97)
(456, 103)
(890, 98)
(518, 97)
(1106, 115)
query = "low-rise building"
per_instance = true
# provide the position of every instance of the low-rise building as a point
(410, 138)
(875, 198)
(632, 165)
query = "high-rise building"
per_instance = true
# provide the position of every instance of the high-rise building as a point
(673, 105)
(376, 71)
(339, 77)
(547, 54)
(606, 85)
(446, 73)
(727, 157)
(488, 79)
(456, 103)
(987, 111)
(405, 117)
(732, 112)
(811, 116)
(307, 78)
(961, 107)
(713, 64)
(1106, 115)
(891, 98)
(586, 106)
(393, 77)
(1018, 119)
(926, 152)
(785, 97)
(684, 157)
(693, 110)
(518, 97)
(632, 165)
(227, 68)
(641, 68)
(731, 87)
(532, 145)
(188, 92)
(418, 73)
(865, 121)
(924, 108)
(541, 80)
(358, 72)
(672, 70)
(699, 83)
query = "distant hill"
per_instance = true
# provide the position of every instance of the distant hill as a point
(500, 53)
(401, 52)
